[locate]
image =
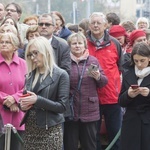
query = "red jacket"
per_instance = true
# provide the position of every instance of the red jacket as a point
(109, 55)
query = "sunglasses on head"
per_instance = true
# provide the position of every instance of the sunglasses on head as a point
(46, 24)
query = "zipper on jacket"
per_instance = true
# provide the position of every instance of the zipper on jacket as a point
(80, 103)
(46, 122)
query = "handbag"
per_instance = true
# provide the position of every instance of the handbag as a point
(71, 99)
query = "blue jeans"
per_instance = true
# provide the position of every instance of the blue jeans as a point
(113, 120)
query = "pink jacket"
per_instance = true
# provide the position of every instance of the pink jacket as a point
(12, 78)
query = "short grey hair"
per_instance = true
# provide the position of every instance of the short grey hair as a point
(46, 16)
(100, 14)
(142, 19)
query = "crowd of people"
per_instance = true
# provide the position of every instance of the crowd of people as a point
(60, 80)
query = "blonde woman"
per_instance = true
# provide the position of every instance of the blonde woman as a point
(48, 86)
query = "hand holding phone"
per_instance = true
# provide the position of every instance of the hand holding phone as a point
(134, 86)
(92, 67)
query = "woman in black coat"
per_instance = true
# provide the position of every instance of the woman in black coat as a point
(135, 97)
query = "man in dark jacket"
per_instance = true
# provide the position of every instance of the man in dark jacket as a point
(46, 28)
(109, 53)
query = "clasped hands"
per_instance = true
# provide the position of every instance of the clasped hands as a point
(10, 102)
(144, 91)
(25, 102)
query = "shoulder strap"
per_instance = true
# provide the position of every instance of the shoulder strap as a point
(80, 79)
(81, 76)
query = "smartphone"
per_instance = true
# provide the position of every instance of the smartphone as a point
(135, 86)
(92, 67)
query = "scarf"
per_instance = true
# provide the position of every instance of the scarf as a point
(84, 56)
(142, 73)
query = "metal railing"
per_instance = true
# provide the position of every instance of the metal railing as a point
(7, 131)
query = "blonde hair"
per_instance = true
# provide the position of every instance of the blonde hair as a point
(11, 27)
(79, 36)
(43, 46)
(13, 38)
(31, 29)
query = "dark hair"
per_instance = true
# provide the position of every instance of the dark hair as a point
(141, 49)
(60, 16)
(74, 28)
(113, 18)
(84, 24)
(18, 8)
(128, 25)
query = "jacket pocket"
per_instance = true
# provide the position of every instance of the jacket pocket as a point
(93, 103)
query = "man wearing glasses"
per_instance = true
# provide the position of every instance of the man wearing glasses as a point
(109, 53)
(46, 28)
(14, 10)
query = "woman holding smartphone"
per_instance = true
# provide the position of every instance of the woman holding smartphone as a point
(83, 126)
(135, 132)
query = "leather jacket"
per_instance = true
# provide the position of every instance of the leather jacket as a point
(52, 96)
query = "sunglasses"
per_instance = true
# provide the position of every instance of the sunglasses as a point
(46, 24)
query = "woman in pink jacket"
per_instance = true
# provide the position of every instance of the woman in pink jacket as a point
(12, 77)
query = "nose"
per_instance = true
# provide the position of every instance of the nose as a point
(32, 57)
(34, 36)
(139, 64)
(43, 26)
(95, 24)
(77, 45)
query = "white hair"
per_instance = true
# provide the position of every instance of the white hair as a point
(142, 19)
(100, 14)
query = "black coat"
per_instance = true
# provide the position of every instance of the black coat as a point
(135, 133)
(53, 94)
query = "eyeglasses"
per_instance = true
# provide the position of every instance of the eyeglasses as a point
(11, 10)
(46, 24)
(34, 54)
(5, 42)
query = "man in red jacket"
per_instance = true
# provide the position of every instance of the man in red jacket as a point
(109, 53)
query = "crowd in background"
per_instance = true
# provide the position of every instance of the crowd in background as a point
(60, 82)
